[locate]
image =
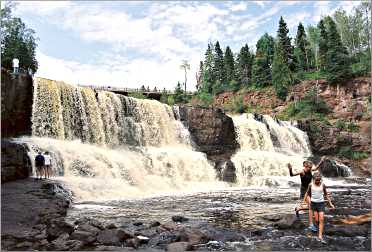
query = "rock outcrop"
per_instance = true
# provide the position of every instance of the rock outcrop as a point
(213, 133)
(15, 162)
(16, 104)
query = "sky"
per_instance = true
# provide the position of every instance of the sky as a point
(135, 43)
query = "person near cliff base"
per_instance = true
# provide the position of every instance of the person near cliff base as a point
(306, 177)
(318, 193)
(15, 66)
(48, 164)
(39, 164)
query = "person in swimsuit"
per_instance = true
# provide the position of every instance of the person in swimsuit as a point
(317, 192)
(306, 177)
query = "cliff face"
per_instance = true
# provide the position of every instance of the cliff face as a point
(16, 104)
(213, 133)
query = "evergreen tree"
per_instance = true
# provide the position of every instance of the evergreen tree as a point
(244, 66)
(218, 67)
(261, 70)
(209, 76)
(229, 65)
(301, 49)
(337, 63)
(322, 45)
(286, 43)
(199, 76)
(143, 89)
(282, 77)
(178, 93)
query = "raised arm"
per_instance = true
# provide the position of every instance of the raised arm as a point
(319, 164)
(291, 172)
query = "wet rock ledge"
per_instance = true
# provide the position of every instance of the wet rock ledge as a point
(32, 213)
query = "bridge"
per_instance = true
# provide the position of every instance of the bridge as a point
(151, 94)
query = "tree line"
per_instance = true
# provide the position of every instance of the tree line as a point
(337, 48)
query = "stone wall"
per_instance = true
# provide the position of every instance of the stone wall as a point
(16, 104)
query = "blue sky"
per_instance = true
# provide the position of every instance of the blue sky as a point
(132, 43)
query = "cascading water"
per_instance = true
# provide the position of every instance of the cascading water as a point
(266, 147)
(110, 146)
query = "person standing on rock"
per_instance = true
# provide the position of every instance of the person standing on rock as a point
(48, 164)
(306, 177)
(39, 164)
(317, 192)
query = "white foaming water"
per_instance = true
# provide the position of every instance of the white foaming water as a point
(108, 146)
(266, 147)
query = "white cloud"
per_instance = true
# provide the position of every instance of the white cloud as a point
(242, 6)
(117, 72)
(260, 3)
(321, 8)
(295, 18)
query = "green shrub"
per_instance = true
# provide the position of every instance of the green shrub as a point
(347, 152)
(170, 100)
(309, 107)
(205, 98)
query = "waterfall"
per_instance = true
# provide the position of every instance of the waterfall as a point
(108, 146)
(266, 147)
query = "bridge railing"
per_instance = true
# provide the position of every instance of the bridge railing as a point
(130, 90)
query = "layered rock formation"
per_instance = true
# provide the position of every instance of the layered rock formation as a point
(213, 133)
(16, 104)
(15, 162)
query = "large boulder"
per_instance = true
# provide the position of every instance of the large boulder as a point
(213, 133)
(113, 236)
(15, 162)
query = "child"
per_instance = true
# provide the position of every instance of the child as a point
(317, 192)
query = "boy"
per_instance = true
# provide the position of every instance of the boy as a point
(39, 165)
(317, 192)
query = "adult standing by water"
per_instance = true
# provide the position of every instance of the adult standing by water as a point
(306, 178)
(39, 165)
(15, 66)
(48, 164)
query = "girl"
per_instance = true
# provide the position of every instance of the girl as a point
(317, 192)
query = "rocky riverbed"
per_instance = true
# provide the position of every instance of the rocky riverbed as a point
(35, 215)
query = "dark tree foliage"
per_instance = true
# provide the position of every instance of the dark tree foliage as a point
(337, 63)
(229, 65)
(208, 76)
(219, 66)
(286, 43)
(178, 94)
(322, 45)
(261, 70)
(17, 41)
(244, 66)
(302, 45)
(282, 77)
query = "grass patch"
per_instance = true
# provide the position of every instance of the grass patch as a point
(347, 152)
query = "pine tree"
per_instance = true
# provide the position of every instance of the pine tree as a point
(261, 70)
(244, 66)
(282, 77)
(209, 76)
(229, 65)
(286, 43)
(322, 45)
(218, 64)
(337, 63)
(301, 48)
